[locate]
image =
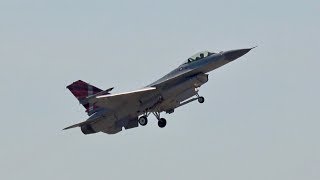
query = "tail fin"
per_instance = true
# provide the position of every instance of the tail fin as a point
(81, 90)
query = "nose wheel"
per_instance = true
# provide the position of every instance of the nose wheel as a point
(201, 99)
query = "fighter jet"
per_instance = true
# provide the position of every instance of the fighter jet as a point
(110, 113)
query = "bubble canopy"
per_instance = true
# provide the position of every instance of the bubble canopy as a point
(198, 56)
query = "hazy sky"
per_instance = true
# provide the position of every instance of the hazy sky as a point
(260, 119)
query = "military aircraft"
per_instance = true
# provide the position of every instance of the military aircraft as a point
(110, 113)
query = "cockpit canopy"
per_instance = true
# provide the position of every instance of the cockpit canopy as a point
(198, 56)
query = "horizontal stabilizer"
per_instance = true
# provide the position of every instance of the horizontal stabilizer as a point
(73, 126)
(81, 124)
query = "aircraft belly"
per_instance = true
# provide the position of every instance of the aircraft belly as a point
(182, 91)
(175, 101)
(112, 123)
(105, 124)
(191, 83)
(126, 115)
(186, 95)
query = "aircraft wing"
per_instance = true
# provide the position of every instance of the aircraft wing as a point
(114, 101)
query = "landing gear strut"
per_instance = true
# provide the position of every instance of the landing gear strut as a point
(143, 120)
(162, 122)
(200, 98)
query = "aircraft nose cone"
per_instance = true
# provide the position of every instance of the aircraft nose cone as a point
(235, 54)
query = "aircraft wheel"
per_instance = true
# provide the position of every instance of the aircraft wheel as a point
(201, 99)
(162, 122)
(143, 120)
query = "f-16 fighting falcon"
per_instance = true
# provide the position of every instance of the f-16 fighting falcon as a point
(110, 113)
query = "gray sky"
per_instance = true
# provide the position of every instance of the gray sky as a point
(261, 115)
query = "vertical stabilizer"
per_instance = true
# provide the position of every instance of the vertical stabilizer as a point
(81, 90)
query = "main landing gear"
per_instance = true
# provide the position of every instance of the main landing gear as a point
(162, 122)
(143, 120)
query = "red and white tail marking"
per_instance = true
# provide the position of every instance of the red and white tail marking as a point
(81, 90)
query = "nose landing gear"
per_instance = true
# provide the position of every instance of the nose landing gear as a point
(201, 99)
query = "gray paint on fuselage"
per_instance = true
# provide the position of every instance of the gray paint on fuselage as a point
(175, 87)
(204, 65)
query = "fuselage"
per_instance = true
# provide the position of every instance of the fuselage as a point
(173, 89)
